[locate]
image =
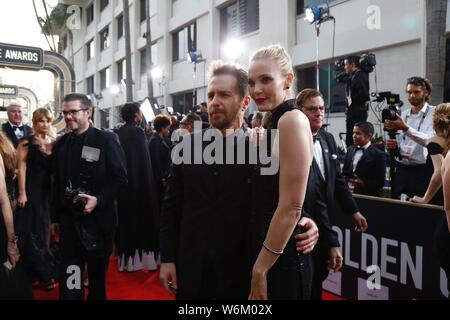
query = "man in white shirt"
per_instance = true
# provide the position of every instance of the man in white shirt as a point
(14, 128)
(412, 171)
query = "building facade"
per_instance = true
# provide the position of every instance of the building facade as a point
(393, 30)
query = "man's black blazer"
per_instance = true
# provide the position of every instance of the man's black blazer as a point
(336, 189)
(359, 88)
(108, 179)
(371, 169)
(204, 224)
(8, 130)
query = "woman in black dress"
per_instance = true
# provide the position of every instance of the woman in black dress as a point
(138, 231)
(33, 215)
(438, 148)
(159, 148)
(9, 253)
(279, 272)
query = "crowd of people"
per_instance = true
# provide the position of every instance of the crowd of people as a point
(255, 222)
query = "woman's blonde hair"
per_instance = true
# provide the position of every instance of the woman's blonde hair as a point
(441, 123)
(278, 54)
(40, 113)
(8, 154)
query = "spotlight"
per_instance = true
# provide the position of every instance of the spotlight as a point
(194, 56)
(233, 49)
(317, 14)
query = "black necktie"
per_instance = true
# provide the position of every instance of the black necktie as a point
(17, 127)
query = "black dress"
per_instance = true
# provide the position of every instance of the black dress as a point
(32, 222)
(14, 284)
(291, 276)
(160, 156)
(138, 228)
(442, 234)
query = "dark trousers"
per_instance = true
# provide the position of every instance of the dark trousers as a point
(410, 180)
(321, 271)
(353, 116)
(74, 256)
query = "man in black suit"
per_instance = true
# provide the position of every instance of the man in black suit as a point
(90, 171)
(14, 128)
(206, 210)
(357, 96)
(325, 183)
(365, 165)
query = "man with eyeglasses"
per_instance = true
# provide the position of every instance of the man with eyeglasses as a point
(412, 171)
(325, 183)
(89, 172)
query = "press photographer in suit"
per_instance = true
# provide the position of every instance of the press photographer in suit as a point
(365, 165)
(14, 128)
(89, 172)
(358, 97)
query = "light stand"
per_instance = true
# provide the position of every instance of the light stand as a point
(194, 57)
(318, 15)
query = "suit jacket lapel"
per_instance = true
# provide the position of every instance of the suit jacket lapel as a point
(326, 155)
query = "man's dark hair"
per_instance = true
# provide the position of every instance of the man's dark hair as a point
(161, 121)
(129, 110)
(306, 94)
(365, 127)
(424, 83)
(84, 99)
(353, 59)
(190, 118)
(203, 104)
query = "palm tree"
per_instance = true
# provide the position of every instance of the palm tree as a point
(436, 47)
(129, 76)
(148, 49)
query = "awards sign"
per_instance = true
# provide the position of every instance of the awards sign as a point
(8, 91)
(21, 56)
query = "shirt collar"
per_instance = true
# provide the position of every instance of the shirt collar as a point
(13, 125)
(422, 111)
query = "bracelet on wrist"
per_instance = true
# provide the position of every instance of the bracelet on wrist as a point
(278, 253)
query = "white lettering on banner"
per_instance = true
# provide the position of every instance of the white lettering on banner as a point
(347, 252)
(74, 20)
(19, 55)
(390, 253)
(407, 262)
(364, 238)
(384, 254)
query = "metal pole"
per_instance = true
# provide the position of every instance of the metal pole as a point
(317, 56)
(193, 87)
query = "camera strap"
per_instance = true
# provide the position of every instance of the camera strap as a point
(421, 120)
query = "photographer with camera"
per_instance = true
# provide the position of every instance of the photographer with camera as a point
(412, 173)
(358, 97)
(89, 171)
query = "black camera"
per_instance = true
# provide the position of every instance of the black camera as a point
(392, 110)
(366, 63)
(73, 201)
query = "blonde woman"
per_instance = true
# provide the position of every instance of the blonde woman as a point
(278, 272)
(33, 221)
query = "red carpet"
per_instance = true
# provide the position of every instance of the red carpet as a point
(139, 285)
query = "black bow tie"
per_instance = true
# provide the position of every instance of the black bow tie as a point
(358, 148)
(315, 138)
(17, 127)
